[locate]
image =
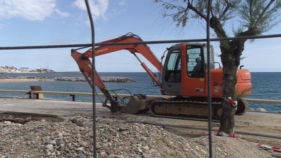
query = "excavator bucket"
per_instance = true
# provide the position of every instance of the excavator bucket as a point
(137, 104)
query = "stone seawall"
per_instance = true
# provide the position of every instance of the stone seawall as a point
(71, 79)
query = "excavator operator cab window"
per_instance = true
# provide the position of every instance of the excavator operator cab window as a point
(173, 67)
(195, 64)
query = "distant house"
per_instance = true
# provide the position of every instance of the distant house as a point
(24, 69)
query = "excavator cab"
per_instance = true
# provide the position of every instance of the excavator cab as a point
(184, 69)
(185, 76)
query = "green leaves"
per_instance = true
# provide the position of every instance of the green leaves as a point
(181, 10)
(260, 14)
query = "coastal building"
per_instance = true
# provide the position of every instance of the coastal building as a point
(12, 69)
(24, 69)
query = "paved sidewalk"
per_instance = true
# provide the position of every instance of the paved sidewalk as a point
(53, 107)
(250, 121)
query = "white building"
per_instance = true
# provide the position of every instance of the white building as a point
(24, 69)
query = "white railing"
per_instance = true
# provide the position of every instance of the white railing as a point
(73, 94)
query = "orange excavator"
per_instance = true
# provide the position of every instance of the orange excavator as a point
(182, 80)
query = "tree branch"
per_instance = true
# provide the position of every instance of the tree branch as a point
(190, 6)
(212, 12)
(217, 26)
(225, 9)
(263, 12)
(250, 32)
(172, 5)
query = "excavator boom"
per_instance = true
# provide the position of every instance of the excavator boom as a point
(85, 65)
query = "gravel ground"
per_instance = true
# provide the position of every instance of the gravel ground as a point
(115, 139)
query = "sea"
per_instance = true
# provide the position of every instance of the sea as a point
(265, 85)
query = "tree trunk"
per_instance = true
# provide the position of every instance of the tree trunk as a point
(230, 58)
(229, 81)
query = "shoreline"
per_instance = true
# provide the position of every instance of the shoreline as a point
(69, 79)
(25, 80)
(20, 80)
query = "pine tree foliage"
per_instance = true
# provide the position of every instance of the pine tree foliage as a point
(257, 15)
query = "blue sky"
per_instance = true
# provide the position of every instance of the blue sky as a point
(50, 22)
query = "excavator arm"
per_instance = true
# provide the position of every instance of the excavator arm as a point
(85, 65)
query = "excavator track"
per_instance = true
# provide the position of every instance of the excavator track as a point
(184, 109)
(189, 109)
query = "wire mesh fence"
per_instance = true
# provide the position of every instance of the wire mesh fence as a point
(93, 45)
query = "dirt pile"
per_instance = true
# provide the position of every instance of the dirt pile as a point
(115, 138)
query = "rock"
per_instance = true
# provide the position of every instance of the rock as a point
(83, 144)
(66, 149)
(7, 123)
(104, 79)
(81, 155)
(251, 109)
(103, 153)
(65, 134)
(98, 146)
(80, 149)
(61, 143)
(117, 79)
(53, 142)
(50, 147)
(123, 128)
(58, 153)
(146, 148)
(151, 151)
(260, 110)
(108, 150)
(144, 133)
(116, 156)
